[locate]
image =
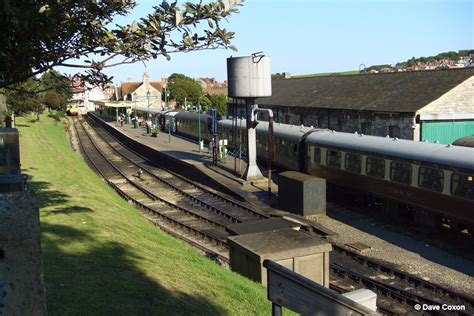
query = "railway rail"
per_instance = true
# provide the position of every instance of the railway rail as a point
(199, 216)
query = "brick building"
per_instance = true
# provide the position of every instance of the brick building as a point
(431, 105)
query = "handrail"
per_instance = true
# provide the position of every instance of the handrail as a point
(291, 290)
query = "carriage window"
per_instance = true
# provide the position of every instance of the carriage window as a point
(333, 158)
(317, 155)
(375, 167)
(291, 153)
(432, 179)
(400, 172)
(353, 163)
(462, 185)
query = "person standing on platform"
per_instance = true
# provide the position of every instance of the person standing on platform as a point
(211, 145)
(148, 126)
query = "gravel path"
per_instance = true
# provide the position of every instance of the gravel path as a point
(405, 253)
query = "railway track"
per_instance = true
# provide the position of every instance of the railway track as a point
(199, 216)
(237, 211)
(397, 291)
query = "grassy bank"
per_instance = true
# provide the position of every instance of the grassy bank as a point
(101, 257)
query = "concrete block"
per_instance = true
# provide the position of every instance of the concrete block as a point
(364, 297)
(301, 194)
(298, 251)
(259, 226)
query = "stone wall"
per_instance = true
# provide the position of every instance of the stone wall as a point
(457, 100)
(20, 256)
(399, 125)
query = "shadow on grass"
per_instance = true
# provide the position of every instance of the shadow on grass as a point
(57, 116)
(22, 125)
(104, 279)
(68, 210)
(45, 196)
(87, 275)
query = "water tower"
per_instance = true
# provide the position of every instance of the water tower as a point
(249, 78)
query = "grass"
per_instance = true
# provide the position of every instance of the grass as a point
(101, 257)
(343, 73)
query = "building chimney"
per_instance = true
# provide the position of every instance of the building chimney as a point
(146, 78)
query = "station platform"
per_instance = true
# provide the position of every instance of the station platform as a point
(227, 173)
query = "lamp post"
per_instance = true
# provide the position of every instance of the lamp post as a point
(167, 93)
(199, 122)
(148, 98)
(169, 128)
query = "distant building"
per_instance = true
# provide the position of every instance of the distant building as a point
(471, 59)
(144, 93)
(431, 105)
(211, 86)
(84, 95)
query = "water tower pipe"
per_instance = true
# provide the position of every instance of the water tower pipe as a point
(270, 147)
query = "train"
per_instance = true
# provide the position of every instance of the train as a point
(433, 182)
(72, 111)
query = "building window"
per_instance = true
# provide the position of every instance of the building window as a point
(366, 128)
(394, 131)
(400, 172)
(333, 158)
(462, 185)
(431, 179)
(375, 167)
(353, 162)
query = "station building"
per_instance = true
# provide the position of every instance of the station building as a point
(145, 93)
(435, 105)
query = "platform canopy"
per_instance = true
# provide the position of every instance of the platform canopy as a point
(115, 104)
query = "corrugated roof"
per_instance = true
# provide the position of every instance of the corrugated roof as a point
(385, 92)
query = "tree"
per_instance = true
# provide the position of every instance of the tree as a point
(44, 34)
(53, 80)
(278, 76)
(184, 88)
(206, 104)
(55, 100)
(219, 102)
(22, 98)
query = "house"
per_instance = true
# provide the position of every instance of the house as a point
(211, 86)
(84, 95)
(421, 105)
(145, 93)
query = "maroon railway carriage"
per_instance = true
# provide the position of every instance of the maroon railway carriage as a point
(430, 177)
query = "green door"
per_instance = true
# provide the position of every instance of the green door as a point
(446, 132)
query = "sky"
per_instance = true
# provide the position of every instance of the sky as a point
(304, 36)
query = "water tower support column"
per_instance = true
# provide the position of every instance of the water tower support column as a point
(252, 172)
